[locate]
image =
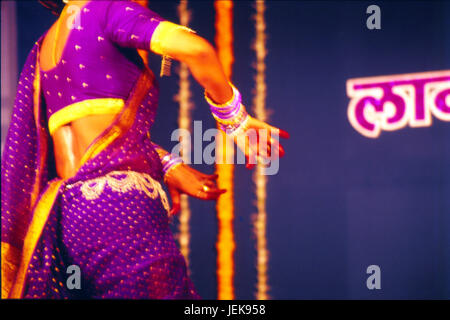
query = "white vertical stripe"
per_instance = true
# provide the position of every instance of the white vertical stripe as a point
(9, 63)
(260, 180)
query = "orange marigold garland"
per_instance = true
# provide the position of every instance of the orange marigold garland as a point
(225, 169)
(184, 122)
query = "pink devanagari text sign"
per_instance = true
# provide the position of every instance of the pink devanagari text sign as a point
(392, 102)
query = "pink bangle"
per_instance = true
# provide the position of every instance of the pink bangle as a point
(230, 116)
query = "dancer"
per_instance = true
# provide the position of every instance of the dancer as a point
(80, 175)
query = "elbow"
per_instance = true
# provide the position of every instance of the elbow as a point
(188, 47)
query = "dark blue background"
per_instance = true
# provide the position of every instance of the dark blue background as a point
(340, 201)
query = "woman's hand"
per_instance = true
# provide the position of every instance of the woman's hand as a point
(257, 142)
(184, 179)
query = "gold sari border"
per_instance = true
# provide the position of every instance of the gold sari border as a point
(10, 264)
(84, 108)
(37, 224)
(42, 145)
(123, 120)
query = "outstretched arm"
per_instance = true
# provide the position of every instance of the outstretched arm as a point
(130, 25)
(201, 58)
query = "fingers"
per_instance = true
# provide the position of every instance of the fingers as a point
(250, 165)
(251, 157)
(281, 133)
(207, 176)
(257, 124)
(260, 143)
(249, 154)
(268, 134)
(249, 150)
(266, 149)
(272, 146)
(262, 125)
(209, 193)
(282, 152)
(211, 177)
(276, 150)
(175, 195)
(284, 134)
(276, 131)
(210, 184)
(204, 186)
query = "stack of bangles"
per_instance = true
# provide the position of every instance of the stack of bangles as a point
(169, 162)
(230, 116)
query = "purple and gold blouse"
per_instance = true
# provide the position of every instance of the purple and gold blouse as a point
(99, 64)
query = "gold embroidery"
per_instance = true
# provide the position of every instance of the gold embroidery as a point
(166, 63)
(41, 134)
(10, 264)
(36, 100)
(84, 108)
(123, 181)
(160, 36)
(37, 224)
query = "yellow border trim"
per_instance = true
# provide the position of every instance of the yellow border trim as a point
(123, 121)
(84, 108)
(10, 263)
(162, 34)
(38, 222)
(41, 135)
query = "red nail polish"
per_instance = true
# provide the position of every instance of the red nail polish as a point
(284, 134)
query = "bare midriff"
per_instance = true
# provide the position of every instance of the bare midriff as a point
(73, 139)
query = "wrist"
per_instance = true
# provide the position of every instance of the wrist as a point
(169, 162)
(221, 98)
(231, 116)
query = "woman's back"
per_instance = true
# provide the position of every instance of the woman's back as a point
(89, 64)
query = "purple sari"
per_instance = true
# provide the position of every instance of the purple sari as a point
(109, 219)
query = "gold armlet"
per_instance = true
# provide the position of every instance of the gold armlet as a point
(159, 39)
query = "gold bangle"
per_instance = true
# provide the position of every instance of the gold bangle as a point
(167, 174)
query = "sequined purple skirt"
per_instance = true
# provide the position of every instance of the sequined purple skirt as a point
(115, 228)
